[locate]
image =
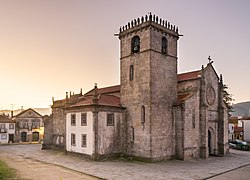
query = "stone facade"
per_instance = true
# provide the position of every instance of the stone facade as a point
(159, 113)
(29, 126)
(154, 86)
(48, 128)
(59, 120)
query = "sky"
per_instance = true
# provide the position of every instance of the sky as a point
(50, 47)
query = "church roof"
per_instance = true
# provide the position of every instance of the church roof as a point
(105, 90)
(188, 76)
(102, 99)
(112, 89)
(106, 97)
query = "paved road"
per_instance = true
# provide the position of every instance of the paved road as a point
(122, 169)
(242, 173)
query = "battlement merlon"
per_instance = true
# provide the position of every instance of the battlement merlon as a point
(149, 21)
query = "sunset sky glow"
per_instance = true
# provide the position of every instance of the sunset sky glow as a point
(49, 47)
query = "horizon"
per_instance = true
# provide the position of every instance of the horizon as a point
(52, 47)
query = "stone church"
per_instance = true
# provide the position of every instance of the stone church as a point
(155, 113)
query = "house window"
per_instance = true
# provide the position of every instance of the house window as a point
(73, 119)
(11, 126)
(2, 126)
(73, 139)
(84, 119)
(131, 72)
(20, 124)
(193, 118)
(4, 136)
(35, 124)
(26, 124)
(135, 44)
(110, 119)
(84, 140)
(164, 45)
(143, 114)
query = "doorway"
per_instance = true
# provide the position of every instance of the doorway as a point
(23, 136)
(35, 136)
(209, 142)
(11, 138)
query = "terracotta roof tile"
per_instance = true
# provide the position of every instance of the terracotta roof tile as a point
(106, 100)
(188, 76)
(105, 90)
(238, 129)
(5, 119)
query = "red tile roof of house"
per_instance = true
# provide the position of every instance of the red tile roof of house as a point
(5, 119)
(238, 129)
(103, 99)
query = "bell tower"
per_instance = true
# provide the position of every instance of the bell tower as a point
(148, 67)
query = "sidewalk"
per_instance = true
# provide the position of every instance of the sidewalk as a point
(123, 169)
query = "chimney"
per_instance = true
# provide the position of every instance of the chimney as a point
(11, 114)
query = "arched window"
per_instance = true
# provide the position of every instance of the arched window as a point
(143, 114)
(164, 45)
(131, 72)
(135, 44)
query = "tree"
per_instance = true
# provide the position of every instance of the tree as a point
(227, 98)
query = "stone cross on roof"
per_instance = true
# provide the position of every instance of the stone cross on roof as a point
(209, 59)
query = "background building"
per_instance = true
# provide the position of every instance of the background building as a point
(7, 129)
(29, 126)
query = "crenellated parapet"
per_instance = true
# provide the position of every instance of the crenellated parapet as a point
(149, 21)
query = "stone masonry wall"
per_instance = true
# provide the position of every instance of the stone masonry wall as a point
(155, 87)
(59, 127)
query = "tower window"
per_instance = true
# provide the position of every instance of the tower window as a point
(193, 118)
(143, 114)
(135, 44)
(131, 72)
(164, 45)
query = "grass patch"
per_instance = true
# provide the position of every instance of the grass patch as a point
(6, 172)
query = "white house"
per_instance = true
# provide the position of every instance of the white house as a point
(246, 129)
(93, 126)
(7, 129)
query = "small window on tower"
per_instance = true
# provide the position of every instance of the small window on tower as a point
(164, 45)
(131, 72)
(135, 44)
(143, 114)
